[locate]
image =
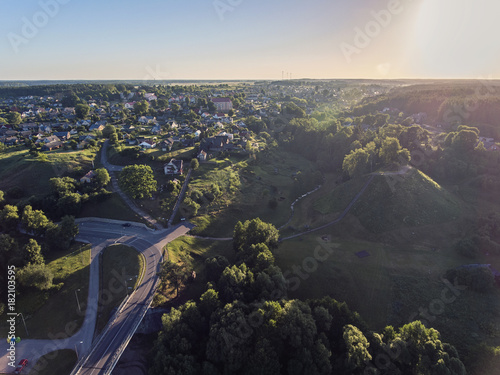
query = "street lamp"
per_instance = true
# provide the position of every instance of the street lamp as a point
(77, 301)
(22, 317)
(76, 351)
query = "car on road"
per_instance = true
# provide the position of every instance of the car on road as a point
(126, 225)
(21, 365)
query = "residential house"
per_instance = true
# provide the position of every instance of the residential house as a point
(52, 146)
(202, 156)
(87, 179)
(167, 144)
(156, 129)
(98, 126)
(150, 96)
(148, 143)
(147, 120)
(45, 129)
(174, 167)
(83, 123)
(9, 141)
(128, 128)
(63, 135)
(217, 143)
(187, 142)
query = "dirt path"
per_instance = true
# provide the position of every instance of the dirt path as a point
(342, 215)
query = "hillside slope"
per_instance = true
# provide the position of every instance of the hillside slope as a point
(391, 202)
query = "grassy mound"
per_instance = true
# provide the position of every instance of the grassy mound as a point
(394, 201)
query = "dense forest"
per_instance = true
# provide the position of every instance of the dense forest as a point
(468, 102)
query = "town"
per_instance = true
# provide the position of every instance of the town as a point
(189, 174)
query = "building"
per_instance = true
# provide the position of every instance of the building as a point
(223, 104)
(174, 167)
(87, 179)
(202, 156)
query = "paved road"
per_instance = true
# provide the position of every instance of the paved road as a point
(180, 197)
(102, 234)
(114, 182)
(104, 159)
(107, 350)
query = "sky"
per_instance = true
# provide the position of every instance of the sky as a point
(248, 39)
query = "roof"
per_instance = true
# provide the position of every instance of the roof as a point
(221, 100)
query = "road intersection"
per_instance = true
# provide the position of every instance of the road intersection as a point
(99, 355)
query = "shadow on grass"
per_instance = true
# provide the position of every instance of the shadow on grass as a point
(60, 362)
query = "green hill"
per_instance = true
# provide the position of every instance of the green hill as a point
(394, 201)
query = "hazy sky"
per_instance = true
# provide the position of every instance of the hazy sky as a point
(248, 39)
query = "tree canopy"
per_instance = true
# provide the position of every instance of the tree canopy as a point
(138, 181)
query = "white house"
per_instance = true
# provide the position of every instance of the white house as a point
(174, 167)
(148, 143)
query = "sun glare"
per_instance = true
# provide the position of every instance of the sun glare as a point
(457, 37)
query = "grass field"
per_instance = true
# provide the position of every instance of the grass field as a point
(111, 208)
(55, 312)
(60, 362)
(199, 250)
(19, 169)
(154, 157)
(121, 268)
(248, 188)
(392, 202)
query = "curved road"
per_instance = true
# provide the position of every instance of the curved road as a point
(106, 350)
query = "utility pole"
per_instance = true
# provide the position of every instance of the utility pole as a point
(77, 301)
(22, 317)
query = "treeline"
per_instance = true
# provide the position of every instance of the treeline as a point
(27, 236)
(245, 324)
(371, 143)
(471, 103)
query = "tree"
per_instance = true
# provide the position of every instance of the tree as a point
(70, 204)
(15, 118)
(9, 217)
(189, 207)
(70, 100)
(101, 177)
(389, 150)
(62, 185)
(82, 110)
(175, 108)
(68, 229)
(194, 164)
(108, 131)
(34, 221)
(8, 249)
(36, 276)
(356, 163)
(33, 252)
(138, 181)
(464, 141)
(113, 138)
(211, 106)
(2, 196)
(357, 349)
(231, 113)
(141, 108)
(253, 232)
(174, 274)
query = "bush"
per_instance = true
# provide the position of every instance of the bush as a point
(478, 278)
(36, 276)
(467, 247)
